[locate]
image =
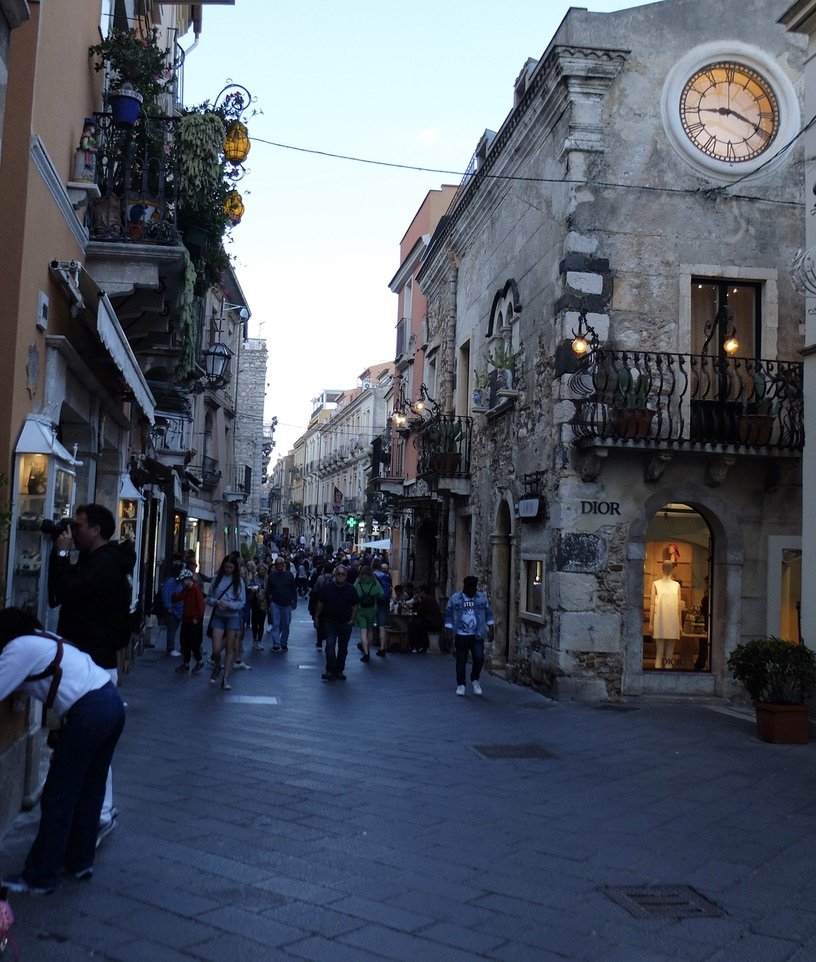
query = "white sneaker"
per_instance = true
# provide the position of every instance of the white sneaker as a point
(460, 689)
(242, 666)
(175, 654)
(477, 688)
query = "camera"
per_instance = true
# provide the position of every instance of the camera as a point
(55, 528)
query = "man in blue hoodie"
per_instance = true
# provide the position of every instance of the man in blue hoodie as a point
(469, 618)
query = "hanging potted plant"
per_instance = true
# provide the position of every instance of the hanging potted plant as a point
(137, 70)
(778, 675)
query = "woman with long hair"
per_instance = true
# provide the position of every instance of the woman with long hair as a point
(228, 597)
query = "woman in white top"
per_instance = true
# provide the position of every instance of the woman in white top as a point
(93, 716)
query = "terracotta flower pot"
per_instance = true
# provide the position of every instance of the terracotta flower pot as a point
(783, 724)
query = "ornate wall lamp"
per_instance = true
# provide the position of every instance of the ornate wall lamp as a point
(584, 340)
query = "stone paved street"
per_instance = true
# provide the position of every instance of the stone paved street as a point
(294, 819)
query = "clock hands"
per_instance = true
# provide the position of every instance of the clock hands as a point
(727, 112)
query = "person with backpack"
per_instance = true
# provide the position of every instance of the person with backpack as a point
(93, 592)
(83, 697)
(369, 594)
(384, 578)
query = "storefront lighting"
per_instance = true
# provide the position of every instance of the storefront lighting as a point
(234, 207)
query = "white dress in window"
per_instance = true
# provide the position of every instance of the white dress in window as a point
(666, 608)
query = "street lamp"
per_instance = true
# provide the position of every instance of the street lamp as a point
(215, 361)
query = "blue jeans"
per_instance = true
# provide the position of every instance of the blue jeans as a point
(281, 619)
(172, 624)
(474, 645)
(337, 642)
(75, 787)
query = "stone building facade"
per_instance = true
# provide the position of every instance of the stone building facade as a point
(249, 432)
(640, 202)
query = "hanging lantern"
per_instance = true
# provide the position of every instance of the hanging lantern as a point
(236, 144)
(234, 207)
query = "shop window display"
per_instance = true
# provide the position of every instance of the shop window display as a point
(676, 597)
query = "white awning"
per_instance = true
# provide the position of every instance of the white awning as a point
(128, 490)
(39, 436)
(383, 544)
(84, 293)
(113, 338)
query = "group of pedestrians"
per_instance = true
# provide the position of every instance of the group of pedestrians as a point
(74, 672)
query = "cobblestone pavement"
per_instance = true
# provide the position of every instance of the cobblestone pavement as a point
(386, 818)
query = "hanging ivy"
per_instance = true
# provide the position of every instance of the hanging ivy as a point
(188, 322)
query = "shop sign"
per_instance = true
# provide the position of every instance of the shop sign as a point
(529, 508)
(601, 507)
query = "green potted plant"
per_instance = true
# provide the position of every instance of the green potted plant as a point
(138, 70)
(503, 362)
(755, 424)
(633, 417)
(445, 437)
(778, 676)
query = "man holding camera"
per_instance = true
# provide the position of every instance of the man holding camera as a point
(94, 595)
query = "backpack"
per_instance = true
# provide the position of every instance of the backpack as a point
(367, 599)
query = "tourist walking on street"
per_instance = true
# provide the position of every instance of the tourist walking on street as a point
(383, 576)
(227, 596)
(192, 621)
(257, 590)
(281, 595)
(82, 694)
(337, 605)
(319, 622)
(469, 618)
(94, 597)
(172, 610)
(369, 593)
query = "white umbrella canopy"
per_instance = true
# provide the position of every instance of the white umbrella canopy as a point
(385, 543)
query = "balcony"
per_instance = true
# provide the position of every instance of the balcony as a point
(238, 486)
(444, 453)
(210, 473)
(295, 508)
(689, 402)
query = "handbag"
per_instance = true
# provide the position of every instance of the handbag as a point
(212, 613)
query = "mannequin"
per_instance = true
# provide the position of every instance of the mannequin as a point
(666, 616)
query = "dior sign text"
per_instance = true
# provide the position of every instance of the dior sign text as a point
(600, 507)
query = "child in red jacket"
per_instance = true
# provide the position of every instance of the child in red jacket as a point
(192, 621)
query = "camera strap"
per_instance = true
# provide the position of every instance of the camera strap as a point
(54, 670)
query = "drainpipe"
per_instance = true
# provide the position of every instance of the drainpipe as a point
(448, 401)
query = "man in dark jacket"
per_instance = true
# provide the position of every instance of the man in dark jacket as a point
(94, 595)
(337, 604)
(282, 597)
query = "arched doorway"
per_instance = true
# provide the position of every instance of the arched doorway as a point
(501, 588)
(696, 506)
(677, 597)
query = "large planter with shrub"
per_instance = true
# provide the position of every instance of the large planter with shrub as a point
(778, 675)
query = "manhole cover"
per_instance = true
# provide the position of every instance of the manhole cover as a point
(665, 901)
(512, 751)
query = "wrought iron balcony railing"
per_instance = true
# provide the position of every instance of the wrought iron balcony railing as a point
(210, 473)
(444, 447)
(662, 399)
(137, 173)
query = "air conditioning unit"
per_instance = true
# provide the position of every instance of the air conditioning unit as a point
(367, 385)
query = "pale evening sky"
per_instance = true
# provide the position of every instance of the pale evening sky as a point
(319, 242)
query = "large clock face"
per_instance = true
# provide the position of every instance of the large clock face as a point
(729, 112)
